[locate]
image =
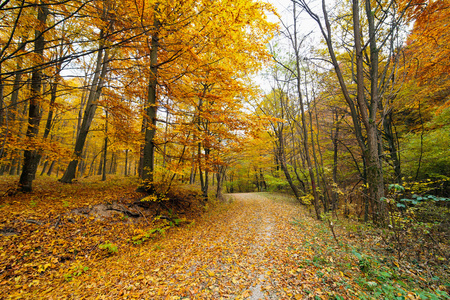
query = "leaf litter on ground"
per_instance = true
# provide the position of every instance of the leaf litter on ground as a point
(254, 246)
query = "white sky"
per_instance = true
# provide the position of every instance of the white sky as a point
(284, 8)
(305, 25)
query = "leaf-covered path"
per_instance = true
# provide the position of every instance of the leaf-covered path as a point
(248, 249)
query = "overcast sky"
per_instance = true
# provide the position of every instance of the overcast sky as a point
(305, 26)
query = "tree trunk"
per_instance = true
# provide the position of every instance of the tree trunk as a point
(152, 107)
(392, 147)
(220, 175)
(375, 170)
(105, 147)
(50, 169)
(48, 124)
(89, 113)
(31, 156)
(303, 119)
(102, 158)
(126, 163)
(282, 162)
(2, 115)
(44, 168)
(335, 138)
(367, 113)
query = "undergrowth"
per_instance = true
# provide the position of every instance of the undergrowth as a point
(361, 255)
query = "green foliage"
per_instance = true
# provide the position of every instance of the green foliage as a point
(376, 272)
(241, 185)
(438, 186)
(174, 219)
(396, 188)
(384, 282)
(109, 247)
(275, 184)
(434, 145)
(144, 236)
(75, 272)
(423, 218)
(363, 262)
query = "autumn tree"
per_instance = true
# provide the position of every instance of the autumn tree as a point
(194, 56)
(380, 25)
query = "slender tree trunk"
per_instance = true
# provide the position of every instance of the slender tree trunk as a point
(105, 148)
(316, 163)
(282, 162)
(335, 138)
(263, 182)
(34, 116)
(321, 173)
(13, 106)
(203, 176)
(84, 97)
(126, 163)
(367, 112)
(17, 85)
(220, 176)
(50, 169)
(112, 163)
(303, 119)
(44, 168)
(102, 158)
(89, 113)
(2, 110)
(48, 124)
(394, 155)
(129, 168)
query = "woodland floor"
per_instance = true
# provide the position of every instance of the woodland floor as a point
(251, 246)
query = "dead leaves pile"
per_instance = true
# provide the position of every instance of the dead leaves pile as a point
(47, 241)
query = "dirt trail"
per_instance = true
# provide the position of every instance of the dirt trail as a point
(246, 250)
(231, 257)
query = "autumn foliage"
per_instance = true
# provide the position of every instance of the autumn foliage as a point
(124, 123)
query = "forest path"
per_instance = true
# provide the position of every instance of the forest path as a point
(236, 253)
(247, 249)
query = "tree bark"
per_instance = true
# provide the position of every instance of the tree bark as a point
(303, 119)
(152, 107)
(126, 163)
(375, 170)
(105, 147)
(220, 175)
(335, 139)
(34, 116)
(282, 162)
(89, 113)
